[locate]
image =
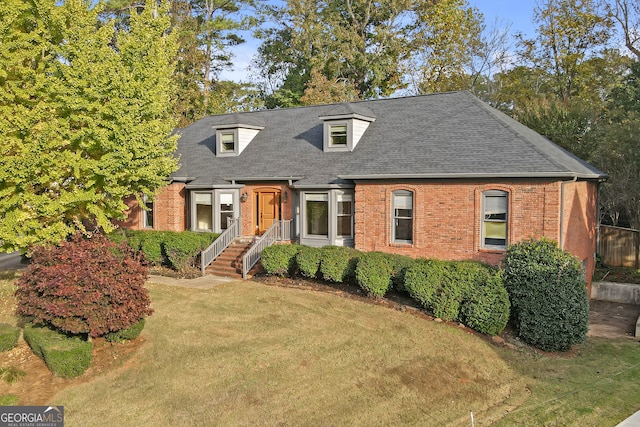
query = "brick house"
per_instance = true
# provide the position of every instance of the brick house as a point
(438, 176)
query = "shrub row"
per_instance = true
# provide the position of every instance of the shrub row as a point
(176, 249)
(9, 336)
(66, 356)
(466, 291)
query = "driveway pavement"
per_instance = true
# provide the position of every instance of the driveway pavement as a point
(12, 261)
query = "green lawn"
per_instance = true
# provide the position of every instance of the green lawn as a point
(249, 354)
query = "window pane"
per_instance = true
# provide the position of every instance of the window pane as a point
(344, 226)
(317, 217)
(227, 141)
(339, 135)
(204, 217)
(404, 229)
(403, 201)
(224, 218)
(148, 215)
(403, 213)
(495, 205)
(203, 198)
(344, 208)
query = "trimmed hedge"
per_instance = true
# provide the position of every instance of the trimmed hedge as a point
(9, 336)
(487, 307)
(373, 273)
(548, 293)
(65, 356)
(338, 264)
(401, 263)
(280, 259)
(176, 249)
(424, 279)
(130, 333)
(308, 261)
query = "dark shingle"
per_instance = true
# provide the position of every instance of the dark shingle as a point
(442, 135)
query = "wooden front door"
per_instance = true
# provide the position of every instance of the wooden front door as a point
(268, 209)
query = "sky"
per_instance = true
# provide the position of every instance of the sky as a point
(515, 14)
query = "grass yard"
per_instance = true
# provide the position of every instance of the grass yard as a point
(249, 354)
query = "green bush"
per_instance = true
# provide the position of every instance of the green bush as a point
(8, 400)
(9, 336)
(548, 294)
(400, 265)
(151, 246)
(130, 333)
(66, 356)
(486, 309)
(183, 248)
(338, 264)
(308, 261)
(373, 273)
(424, 279)
(280, 259)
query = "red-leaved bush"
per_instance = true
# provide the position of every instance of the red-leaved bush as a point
(87, 285)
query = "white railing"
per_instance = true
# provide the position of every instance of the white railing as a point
(221, 243)
(279, 231)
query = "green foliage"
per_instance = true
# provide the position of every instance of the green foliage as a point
(176, 249)
(127, 334)
(373, 273)
(11, 375)
(280, 259)
(9, 400)
(85, 117)
(548, 295)
(85, 285)
(66, 356)
(400, 265)
(424, 279)
(338, 263)
(486, 308)
(308, 261)
(9, 336)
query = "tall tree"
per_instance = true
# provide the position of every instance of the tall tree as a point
(85, 117)
(626, 13)
(363, 44)
(569, 31)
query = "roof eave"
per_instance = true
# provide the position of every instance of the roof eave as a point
(472, 175)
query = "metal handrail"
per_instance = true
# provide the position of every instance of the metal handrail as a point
(220, 244)
(279, 231)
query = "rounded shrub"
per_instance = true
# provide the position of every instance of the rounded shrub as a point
(424, 279)
(151, 243)
(373, 273)
(127, 334)
(338, 263)
(400, 265)
(86, 285)
(181, 248)
(308, 261)
(548, 295)
(486, 309)
(279, 260)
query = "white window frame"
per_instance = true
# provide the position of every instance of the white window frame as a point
(220, 150)
(307, 196)
(484, 219)
(146, 212)
(328, 140)
(339, 198)
(395, 218)
(216, 220)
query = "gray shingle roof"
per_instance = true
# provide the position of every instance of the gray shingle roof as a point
(449, 135)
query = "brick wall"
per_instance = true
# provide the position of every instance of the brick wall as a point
(579, 230)
(169, 210)
(448, 217)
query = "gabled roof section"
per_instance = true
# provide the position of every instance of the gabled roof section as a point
(449, 135)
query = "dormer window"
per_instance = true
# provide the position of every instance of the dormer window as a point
(227, 142)
(343, 129)
(338, 135)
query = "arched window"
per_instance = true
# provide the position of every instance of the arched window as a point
(402, 227)
(495, 213)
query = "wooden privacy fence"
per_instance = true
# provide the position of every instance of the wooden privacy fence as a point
(619, 247)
